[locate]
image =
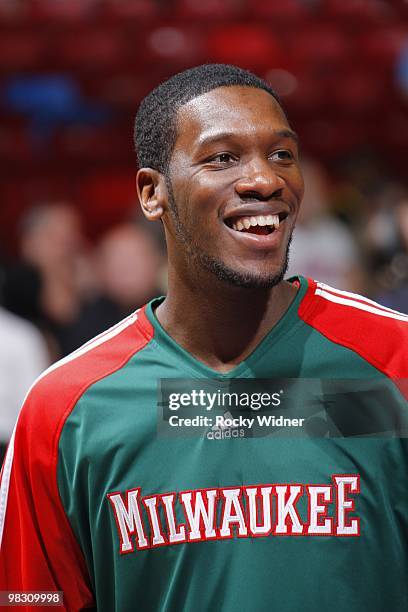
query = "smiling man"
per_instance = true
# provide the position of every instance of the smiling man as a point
(239, 444)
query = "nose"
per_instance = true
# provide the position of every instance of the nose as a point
(259, 180)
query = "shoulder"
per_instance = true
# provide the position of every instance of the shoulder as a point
(377, 333)
(55, 393)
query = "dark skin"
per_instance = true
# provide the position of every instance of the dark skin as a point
(235, 156)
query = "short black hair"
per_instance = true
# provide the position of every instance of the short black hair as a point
(155, 125)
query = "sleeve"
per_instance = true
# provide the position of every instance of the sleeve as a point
(38, 549)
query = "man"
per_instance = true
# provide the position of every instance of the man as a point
(110, 495)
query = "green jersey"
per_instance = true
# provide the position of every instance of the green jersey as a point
(116, 494)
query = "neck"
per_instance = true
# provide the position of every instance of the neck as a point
(218, 323)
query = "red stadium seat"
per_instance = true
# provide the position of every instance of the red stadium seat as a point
(210, 9)
(175, 44)
(331, 137)
(15, 146)
(357, 92)
(92, 48)
(290, 10)
(363, 12)
(248, 45)
(21, 50)
(107, 198)
(393, 132)
(382, 46)
(93, 144)
(11, 11)
(63, 9)
(308, 98)
(132, 8)
(321, 45)
(123, 90)
(401, 6)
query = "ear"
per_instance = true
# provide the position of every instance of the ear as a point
(152, 193)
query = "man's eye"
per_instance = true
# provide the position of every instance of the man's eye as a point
(282, 155)
(223, 158)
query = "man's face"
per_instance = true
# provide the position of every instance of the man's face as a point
(235, 186)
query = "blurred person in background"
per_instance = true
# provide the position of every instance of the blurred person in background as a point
(23, 356)
(54, 277)
(396, 272)
(323, 247)
(128, 266)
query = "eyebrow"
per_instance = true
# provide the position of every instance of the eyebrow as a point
(285, 133)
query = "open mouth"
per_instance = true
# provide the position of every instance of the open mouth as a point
(261, 225)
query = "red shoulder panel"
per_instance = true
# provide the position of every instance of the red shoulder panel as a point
(377, 333)
(38, 548)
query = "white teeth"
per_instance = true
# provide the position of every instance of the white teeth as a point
(247, 222)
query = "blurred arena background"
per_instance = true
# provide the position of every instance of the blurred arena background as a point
(75, 256)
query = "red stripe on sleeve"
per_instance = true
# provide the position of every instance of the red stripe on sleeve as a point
(39, 550)
(381, 340)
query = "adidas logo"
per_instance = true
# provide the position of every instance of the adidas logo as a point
(222, 432)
